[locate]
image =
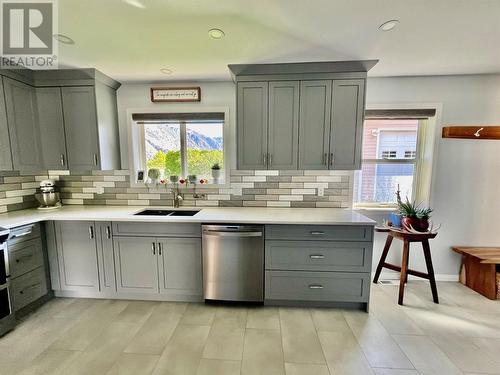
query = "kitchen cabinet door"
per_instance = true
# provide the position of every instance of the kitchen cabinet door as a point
(283, 125)
(347, 124)
(314, 124)
(80, 120)
(77, 253)
(136, 264)
(252, 120)
(105, 257)
(5, 151)
(20, 103)
(51, 123)
(181, 267)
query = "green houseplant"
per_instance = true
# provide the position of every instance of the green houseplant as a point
(216, 172)
(414, 216)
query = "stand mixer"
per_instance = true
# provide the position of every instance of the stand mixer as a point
(48, 195)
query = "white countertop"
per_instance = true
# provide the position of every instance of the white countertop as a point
(250, 215)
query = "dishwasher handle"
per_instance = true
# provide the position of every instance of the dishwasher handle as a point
(216, 233)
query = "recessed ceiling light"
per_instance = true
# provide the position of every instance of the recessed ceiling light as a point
(216, 33)
(166, 71)
(135, 3)
(61, 38)
(388, 25)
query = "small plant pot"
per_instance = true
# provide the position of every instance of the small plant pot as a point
(216, 174)
(420, 225)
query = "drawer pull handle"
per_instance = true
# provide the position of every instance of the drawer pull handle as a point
(317, 256)
(29, 287)
(23, 257)
(315, 286)
(316, 233)
(22, 234)
(108, 232)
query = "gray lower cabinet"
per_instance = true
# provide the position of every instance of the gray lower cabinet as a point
(136, 264)
(20, 102)
(347, 124)
(283, 143)
(181, 266)
(314, 124)
(51, 124)
(27, 267)
(80, 120)
(77, 256)
(252, 117)
(5, 152)
(320, 265)
(105, 257)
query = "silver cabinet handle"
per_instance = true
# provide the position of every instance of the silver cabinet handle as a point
(270, 159)
(153, 247)
(159, 248)
(325, 158)
(95, 159)
(21, 234)
(18, 260)
(316, 233)
(62, 160)
(108, 232)
(231, 234)
(331, 158)
(29, 287)
(264, 159)
(317, 256)
(91, 232)
(315, 286)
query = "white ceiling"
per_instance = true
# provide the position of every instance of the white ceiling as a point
(133, 44)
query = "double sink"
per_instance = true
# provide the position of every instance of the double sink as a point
(154, 212)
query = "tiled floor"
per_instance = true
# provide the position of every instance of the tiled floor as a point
(79, 336)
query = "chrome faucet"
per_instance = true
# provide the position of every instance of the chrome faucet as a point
(177, 198)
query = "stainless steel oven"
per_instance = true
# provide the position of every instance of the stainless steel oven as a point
(233, 262)
(7, 320)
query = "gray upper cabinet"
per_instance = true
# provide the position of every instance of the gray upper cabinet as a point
(80, 120)
(347, 124)
(180, 267)
(22, 121)
(283, 125)
(314, 128)
(252, 120)
(136, 265)
(5, 155)
(77, 255)
(51, 123)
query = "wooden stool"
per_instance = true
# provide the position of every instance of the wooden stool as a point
(407, 238)
(480, 264)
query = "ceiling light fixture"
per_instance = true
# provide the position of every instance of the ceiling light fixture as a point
(61, 38)
(388, 25)
(135, 3)
(166, 71)
(216, 33)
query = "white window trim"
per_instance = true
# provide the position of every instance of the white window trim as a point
(427, 151)
(136, 139)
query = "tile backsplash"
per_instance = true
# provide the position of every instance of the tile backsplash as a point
(245, 189)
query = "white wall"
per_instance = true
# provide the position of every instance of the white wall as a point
(467, 175)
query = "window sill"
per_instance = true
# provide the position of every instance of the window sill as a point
(375, 208)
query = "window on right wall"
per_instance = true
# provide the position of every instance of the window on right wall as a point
(390, 158)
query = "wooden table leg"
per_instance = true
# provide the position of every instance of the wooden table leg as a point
(383, 257)
(404, 269)
(430, 270)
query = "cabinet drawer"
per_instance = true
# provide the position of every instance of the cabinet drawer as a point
(28, 288)
(124, 228)
(24, 233)
(317, 286)
(25, 257)
(318, 256)
(319, 232)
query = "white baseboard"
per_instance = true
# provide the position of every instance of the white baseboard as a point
(395, 276)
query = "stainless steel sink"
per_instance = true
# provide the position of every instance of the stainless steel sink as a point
(158, 212)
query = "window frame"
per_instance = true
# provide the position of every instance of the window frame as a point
(421, 131)
(136, 140)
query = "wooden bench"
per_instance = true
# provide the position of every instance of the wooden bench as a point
(479, 269)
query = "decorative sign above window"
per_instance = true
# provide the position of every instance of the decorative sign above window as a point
(175, 94)
(471, 132)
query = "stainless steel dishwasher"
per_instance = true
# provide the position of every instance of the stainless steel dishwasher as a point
(233, 262)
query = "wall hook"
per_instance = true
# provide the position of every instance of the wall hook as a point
(477, 132)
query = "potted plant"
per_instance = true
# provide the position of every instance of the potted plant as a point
(154, 176)
(216, 172)
(192, 178)
(414, 216)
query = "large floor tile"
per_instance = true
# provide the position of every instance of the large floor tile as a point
(136, 312)
(300, 339)
(263, 318)
(199, 314)
(49, 362)
(183, 353)
(329, 320)
(262, 353)
(392, 371)
(305, 369)
(134, 364)
(225, 340)
(218, 367)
